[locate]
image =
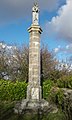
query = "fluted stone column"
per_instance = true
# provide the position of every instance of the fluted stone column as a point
(34, 88)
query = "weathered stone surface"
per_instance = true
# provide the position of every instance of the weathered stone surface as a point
(67, 103)
(34, 95)
(34, 88)
(31, 105)
(35, 106)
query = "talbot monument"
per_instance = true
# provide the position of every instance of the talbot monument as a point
(34, 92)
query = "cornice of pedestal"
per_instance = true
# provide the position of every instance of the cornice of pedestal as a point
(35, 28)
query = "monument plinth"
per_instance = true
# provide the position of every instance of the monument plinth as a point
(34, 95)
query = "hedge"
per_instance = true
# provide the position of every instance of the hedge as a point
(12, 91)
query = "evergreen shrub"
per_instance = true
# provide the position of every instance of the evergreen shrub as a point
(47, 85)
(12, 91)
(65, 82)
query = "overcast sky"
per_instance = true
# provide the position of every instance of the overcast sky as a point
(55, 20)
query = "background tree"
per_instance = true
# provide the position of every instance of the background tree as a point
(3, 58)
(48, 63)
(14, 64)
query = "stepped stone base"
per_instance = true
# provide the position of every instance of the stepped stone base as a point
(32, 105)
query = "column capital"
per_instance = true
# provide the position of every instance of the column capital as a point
(35, 28)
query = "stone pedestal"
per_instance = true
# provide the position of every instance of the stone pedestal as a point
(32, 105)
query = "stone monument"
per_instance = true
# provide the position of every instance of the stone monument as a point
(34, 88)
(34, 95)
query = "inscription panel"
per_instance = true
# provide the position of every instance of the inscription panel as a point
(35, 93)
